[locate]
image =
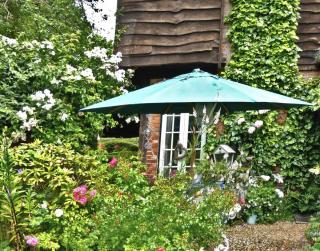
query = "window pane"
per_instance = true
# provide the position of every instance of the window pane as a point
(198, 152)
(176, 123)
(175, 140)
(167, 158)
(169, 123)
(168, 141)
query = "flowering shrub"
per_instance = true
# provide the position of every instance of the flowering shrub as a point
(81, 194)
(48, 108)
(265, 200)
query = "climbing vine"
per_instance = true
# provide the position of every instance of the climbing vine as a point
(265, 55)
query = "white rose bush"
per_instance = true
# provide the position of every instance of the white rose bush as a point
(45, 83)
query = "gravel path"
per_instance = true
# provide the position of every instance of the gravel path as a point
(279, 236)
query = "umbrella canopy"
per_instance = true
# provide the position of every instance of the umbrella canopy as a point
(180, 95)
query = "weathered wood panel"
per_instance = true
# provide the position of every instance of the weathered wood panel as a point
(159, 60)
(309, 34)
(161, 32)
(171, 18)
(172, 6)
(171, 29)
(164, 40)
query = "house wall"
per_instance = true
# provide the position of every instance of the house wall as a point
(165, 38)
(162, 32)
(309, 37)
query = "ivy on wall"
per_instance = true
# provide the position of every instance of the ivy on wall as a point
(264, 55)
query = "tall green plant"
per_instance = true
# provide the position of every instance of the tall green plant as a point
(11, 197)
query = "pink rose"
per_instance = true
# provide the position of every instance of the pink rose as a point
(93, 193)
(31, 241)
(113, 162)
(83, 200)
(160, 249)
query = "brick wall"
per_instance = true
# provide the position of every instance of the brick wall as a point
(152, 153)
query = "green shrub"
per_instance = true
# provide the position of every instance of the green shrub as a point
(120, 147)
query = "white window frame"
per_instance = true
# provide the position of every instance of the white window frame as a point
(183, 139)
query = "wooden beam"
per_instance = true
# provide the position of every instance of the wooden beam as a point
(171, 6)
(170, 40)
(176, 59)
(170, 18)
(160, 50)
(183, 28)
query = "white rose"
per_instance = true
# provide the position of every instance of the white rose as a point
(279, 193)
(263, 111)
(64, 117)
(265, 177)
(22, 115)
(258, 123)
(44, 205)
(58, 212)
(241, 120)
(251, 129)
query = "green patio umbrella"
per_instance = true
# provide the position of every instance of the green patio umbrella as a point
(181, 94)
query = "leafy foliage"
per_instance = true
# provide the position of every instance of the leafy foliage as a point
(118, 217)
(265, 56)
(68, 63)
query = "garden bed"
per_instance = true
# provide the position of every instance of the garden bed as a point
(278, 236)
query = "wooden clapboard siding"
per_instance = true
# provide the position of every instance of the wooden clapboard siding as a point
(159, 32)
(309, 34)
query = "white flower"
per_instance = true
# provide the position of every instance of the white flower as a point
(263, 111)
(252, 181)
(116, 59)
(315, 170)
(136, 119)
(251, 129)
(194, 113)
(44, 205)
(258, 123)
(28, 109)
(120, 75)
(48, 106)
(278, 178)
(47, 93)
(97, 52)
(130, 72)
(38, 96)
(237, 207)
(123, 90)
(58, 212)
(128, 120)
(204, 110)
(279, 193)
(87, 73)
(28, 125)
(8, 41)
(54, 81)
(265, 177)
(47, 44)
(22, 115)
(217, 117)
(241, 120)
(64, 117)
(235, 165)
(70, 69)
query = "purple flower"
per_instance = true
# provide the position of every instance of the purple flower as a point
(20, 171)
(31, 241)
